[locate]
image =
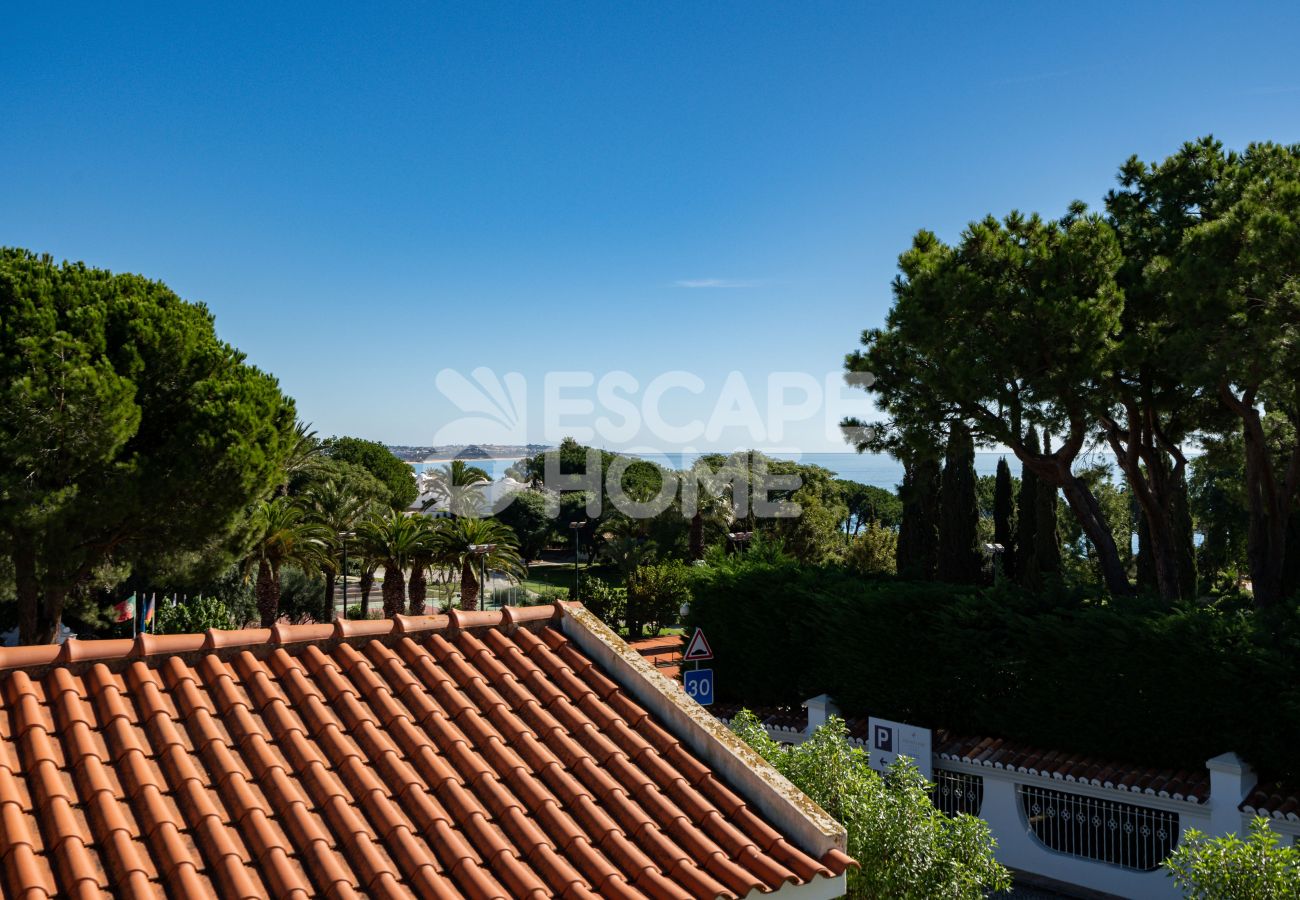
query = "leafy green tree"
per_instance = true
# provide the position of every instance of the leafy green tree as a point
(1228, 868)
(527, 518)
(655, 594)
(1219, 508)
(454, 542)
(867, 503)
(959, 559)
(421, 559)
(379, 461)
(905, 847)
(1047, 537)
(1027, 506)
(127, 429)
(1003, 513)
(283, 533)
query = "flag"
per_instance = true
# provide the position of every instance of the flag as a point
(125, 610)
(149, 604)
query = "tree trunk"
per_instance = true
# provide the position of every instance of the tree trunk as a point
(697, 536)
(418, 590)
(468, 585)
(959, 562)
(394, 591)
(40, 607)
(268, 592)
(1088, 511)
(328, 608)
(1268, 500)
(366, 584)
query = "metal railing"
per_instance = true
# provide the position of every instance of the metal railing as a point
(1121, 834)
(955, 793)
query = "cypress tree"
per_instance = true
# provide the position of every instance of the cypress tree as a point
(1047, 537)
(1027, 524)
(959, 560)
(918, 533)
(1184, 540)
(1003, 507)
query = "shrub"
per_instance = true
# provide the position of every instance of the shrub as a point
(1228, 868)
(874, 551)
(904, 846)
(608, 603)
(193, 616)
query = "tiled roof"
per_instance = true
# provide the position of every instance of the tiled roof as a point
(1273, 802)
(664, 653)
(996, 753)
(477, 754)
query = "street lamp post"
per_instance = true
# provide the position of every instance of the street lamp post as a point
(343, 535)
(481, 551)
(577, 539)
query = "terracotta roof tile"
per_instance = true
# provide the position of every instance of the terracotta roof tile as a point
(475, 754)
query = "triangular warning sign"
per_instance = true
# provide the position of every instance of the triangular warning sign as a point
(699, 647)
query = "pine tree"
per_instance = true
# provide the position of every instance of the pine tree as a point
(959, 560)
(1027, 525)
(1003, 508)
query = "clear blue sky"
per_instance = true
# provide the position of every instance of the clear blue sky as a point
(365, 198)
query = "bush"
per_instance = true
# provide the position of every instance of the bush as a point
(607, 603)
(904, 846)
(193, 616)
(1228, 868)
(1128, 680)
(874, 551)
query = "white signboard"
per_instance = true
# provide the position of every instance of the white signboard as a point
(890, 740)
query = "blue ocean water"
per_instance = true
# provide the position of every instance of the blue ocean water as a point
(877, 469)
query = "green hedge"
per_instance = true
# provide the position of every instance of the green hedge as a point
(1129, 682)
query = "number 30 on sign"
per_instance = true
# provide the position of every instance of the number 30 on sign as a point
(699, 685)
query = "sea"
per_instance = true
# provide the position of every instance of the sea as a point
(876, 469)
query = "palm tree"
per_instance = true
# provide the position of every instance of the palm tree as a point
(283, 533)
(302, 456)
(338, 508)
(394, 538)
(422, 558)
(459, 484)
(456, 543)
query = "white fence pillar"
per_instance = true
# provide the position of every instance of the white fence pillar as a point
(820, 708)
(1231, 780)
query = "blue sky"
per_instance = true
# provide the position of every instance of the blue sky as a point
(365, 199)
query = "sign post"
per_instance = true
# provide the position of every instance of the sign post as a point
(890, 740)
(698, 682)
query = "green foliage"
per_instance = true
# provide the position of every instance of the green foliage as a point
(164, 434)
(905, 847)
(1003, 512)
(868, 503)
(379, 461)
(607, 602)
(193, 616)
(873, 552)
(993, 661)
(1228, 868)
(655, 594)
(453, 542)
(918, 535)
(526, 516)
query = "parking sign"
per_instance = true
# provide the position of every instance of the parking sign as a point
(890, 740)
(699, 685)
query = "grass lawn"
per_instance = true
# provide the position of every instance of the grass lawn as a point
(550, 577)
